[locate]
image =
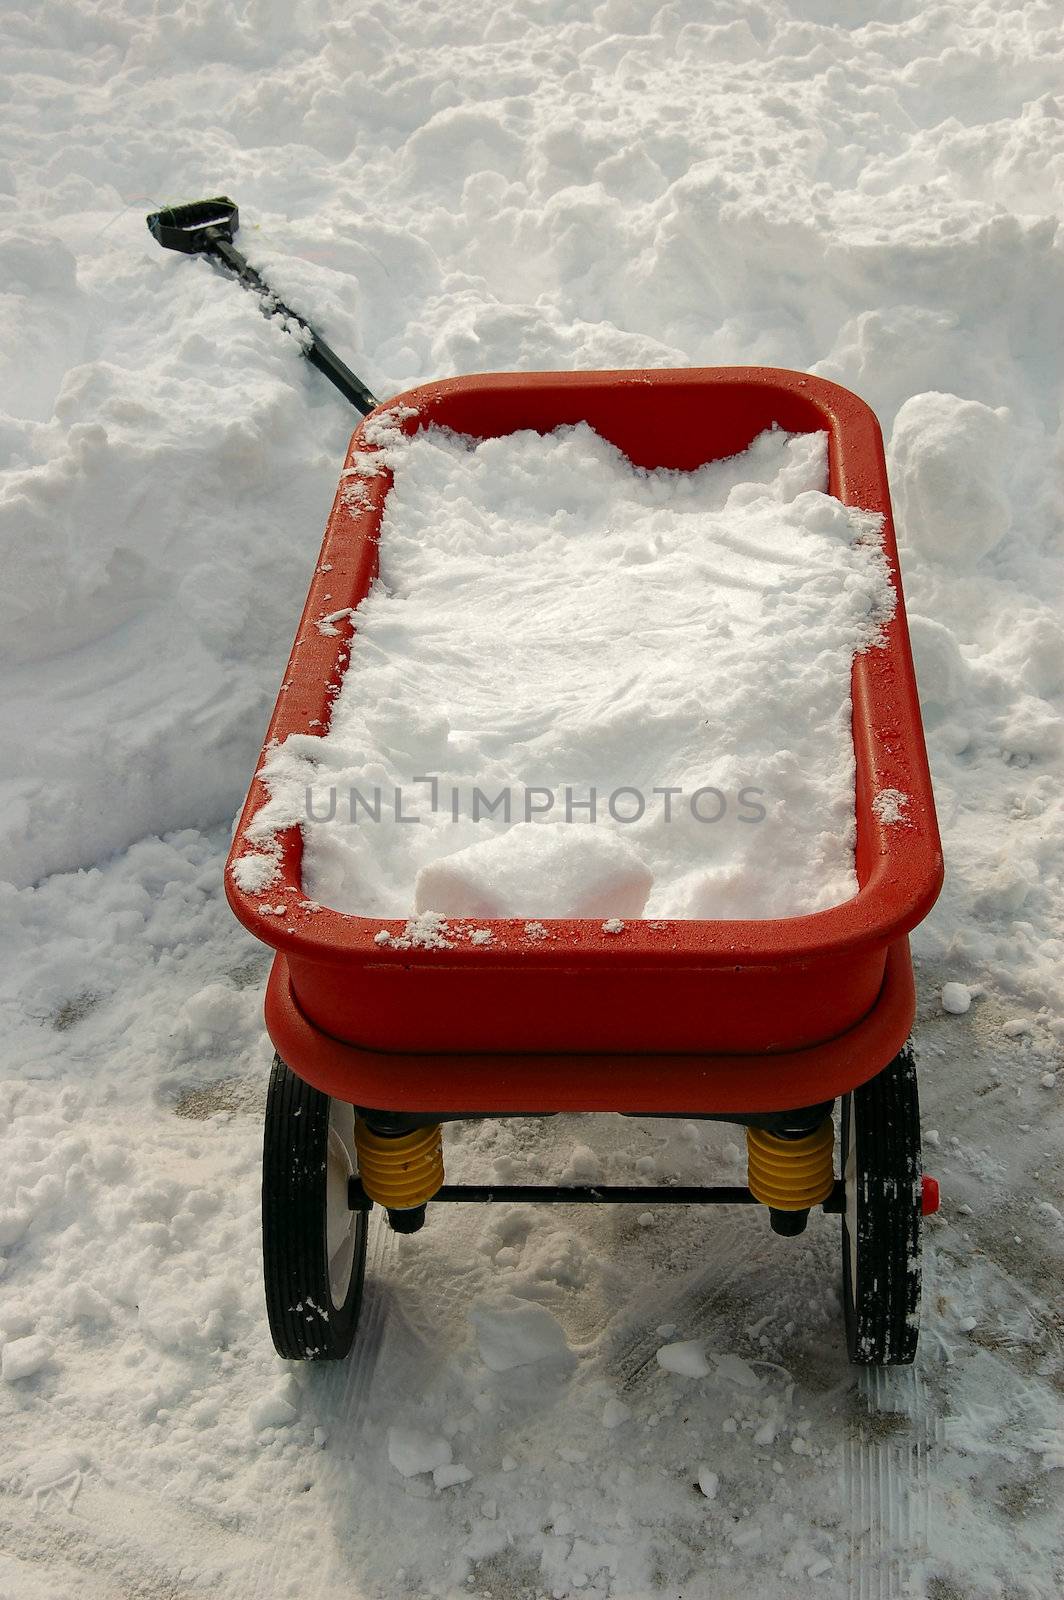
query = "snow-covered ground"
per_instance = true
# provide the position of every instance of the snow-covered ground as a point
(866, 193)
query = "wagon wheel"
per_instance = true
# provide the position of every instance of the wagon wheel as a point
(313, 1244)
(881, 1222)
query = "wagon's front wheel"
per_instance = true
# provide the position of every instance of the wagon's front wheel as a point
(313, 1244)
(881, 1221)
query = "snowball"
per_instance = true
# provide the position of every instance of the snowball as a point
(412, 1452)
(514, 1333)
(949, 460)
(956, 998)
(687, 1358)
(21, 1358)
(538, 870)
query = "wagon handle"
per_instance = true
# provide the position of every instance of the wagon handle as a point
(206, 227)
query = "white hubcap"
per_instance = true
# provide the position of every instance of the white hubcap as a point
(341, 1223)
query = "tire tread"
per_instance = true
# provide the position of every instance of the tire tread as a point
(294, 1256)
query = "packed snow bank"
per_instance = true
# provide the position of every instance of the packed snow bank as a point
(600, 691)
(148, 599)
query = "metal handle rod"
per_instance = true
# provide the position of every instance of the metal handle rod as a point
(317, 352)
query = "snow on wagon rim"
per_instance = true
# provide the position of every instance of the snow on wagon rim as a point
(676, 418)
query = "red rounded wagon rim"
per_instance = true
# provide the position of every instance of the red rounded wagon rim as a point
(500, 1083)
(899, 862)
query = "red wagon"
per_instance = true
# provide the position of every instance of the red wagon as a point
(760, 1023)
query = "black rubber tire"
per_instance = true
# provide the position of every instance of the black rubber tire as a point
(306, 1323)
(881, 1171)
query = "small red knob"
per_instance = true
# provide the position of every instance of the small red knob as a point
(928, 1195)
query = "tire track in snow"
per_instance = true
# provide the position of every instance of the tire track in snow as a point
(887, 1484)
(89, 1541)
(344, 1393)
(690, 1307)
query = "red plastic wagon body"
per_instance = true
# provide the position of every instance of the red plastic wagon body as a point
(669, 1016)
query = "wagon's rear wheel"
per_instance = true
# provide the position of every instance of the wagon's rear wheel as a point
(881, 1221)
(313, 1244)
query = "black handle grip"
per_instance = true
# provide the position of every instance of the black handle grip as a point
(188, 228)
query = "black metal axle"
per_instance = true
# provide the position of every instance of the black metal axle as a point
(564, 1194)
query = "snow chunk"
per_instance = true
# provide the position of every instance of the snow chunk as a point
(889, 806)
(738, 1370)
(583, 1165)
(85, 1302)
(272, 1411)
(255, 872)
(14, 1220)
(21, 1358)
(614, 1412)
(450, 1473)
(538, 869)
(327, 625)
(515, 1333)
(412, 1452)
(708, 1482)
(425, 932)
(687, 1357)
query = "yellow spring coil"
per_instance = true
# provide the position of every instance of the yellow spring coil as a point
(403, 1172)
(791, 1174)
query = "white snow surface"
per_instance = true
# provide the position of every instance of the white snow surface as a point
(868, 193)
(600, 691)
